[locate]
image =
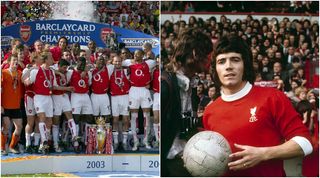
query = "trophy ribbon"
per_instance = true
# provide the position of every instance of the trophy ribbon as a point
(109, 147)
(91, 142)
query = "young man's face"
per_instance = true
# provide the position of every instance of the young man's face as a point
(49, 61)
(117, 62)
(82, 54)
(38, 46)
(230, 68)
(62, 43)
(14, 62)
(211, 92)
(20, 55)
(138, 55)
(66, 55)
(63, 69)
(100, 62)
(124, 54)
(91, 46)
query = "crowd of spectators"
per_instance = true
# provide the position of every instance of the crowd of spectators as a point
(307, 7)
(140, 16)
(285, 53)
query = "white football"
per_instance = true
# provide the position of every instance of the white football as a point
(206, 154)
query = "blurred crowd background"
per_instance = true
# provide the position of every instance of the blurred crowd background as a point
(306, 7)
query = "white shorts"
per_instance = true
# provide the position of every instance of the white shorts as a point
(29, 105)
(61, 103)
(139, 96)
(43, 104)
(100, 104)
(81, 103)
(156, 102)
(120, 105)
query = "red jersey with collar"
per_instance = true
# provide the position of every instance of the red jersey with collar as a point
(140, 74)
(156, 80)
(60, 82)
(80, 85)
(41, 85)
(262, 118)
(119, 76)
(100, 81)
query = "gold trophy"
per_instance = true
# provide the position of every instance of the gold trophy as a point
(101, 134)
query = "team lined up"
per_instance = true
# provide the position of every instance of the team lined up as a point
(80, 88)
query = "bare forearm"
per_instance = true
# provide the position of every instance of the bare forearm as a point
(286, 150)
(62, 88)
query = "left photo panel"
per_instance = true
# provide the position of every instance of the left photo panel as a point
(80, 88)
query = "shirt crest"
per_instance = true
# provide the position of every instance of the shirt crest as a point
(253, 117)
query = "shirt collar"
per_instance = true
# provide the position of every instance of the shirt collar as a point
(240, 94)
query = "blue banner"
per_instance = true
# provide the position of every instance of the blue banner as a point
(49, 31)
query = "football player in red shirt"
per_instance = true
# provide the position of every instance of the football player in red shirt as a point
(260, 124)
(44, 82)
(119, 89)
(139, 93)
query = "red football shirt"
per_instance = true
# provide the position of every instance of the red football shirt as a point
(263, 117)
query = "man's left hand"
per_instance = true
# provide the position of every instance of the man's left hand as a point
(249, 156)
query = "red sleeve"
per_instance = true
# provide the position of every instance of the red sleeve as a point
(6, 56)
(56, 54)
(6, 66)
(286, 118)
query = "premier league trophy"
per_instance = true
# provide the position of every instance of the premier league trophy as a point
(99, 137)
(101, 134)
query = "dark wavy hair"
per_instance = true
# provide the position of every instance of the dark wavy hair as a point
(235, 44)
(190, 40)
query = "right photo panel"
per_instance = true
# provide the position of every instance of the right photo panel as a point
(239, 88)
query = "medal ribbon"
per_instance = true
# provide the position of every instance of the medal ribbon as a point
(50, 78)
(121, 77)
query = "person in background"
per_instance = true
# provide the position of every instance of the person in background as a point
(58, 50)
(190, 56)
(11, 94)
